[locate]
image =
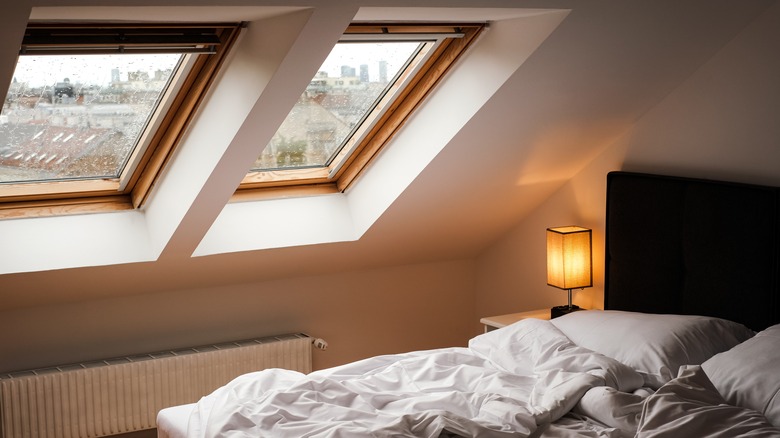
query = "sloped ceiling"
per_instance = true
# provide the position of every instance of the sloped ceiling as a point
(601, 68)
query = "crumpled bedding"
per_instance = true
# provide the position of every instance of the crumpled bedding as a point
(689, 405)
(515, 383)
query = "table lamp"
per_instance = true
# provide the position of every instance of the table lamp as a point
(568, 262)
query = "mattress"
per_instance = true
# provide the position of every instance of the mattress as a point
(172, 422)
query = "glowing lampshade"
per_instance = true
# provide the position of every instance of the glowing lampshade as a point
(569, 261)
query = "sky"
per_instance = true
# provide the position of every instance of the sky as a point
(355, 54)
(43, 70)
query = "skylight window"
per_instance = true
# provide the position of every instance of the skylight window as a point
(95, 110)
(106, 98)
(372, 80)
(351, 82)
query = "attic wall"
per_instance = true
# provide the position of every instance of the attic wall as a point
(721, 123)
(360, 314)
(425, 305)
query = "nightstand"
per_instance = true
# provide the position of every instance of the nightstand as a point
(496, 322)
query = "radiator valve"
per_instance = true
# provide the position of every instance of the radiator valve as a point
(320, 343)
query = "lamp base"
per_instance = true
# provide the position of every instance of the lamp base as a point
(562, 310)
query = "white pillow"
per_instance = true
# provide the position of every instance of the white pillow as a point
(748, 375)
(536, 347)
(655, 345)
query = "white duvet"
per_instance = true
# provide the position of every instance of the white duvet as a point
(513, 383)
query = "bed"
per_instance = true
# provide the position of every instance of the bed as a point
(687, 345)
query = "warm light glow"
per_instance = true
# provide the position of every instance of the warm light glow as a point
(569, 257)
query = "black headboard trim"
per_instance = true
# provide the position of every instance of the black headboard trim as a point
(693, 246)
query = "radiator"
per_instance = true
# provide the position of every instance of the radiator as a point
(124, 395)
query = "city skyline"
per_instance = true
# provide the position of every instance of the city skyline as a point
(354, 54)
(41, 71)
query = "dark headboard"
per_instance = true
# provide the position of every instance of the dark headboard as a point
(692, 246)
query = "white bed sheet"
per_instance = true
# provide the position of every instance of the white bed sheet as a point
(526, 380)
(512, 383)
(172, 423)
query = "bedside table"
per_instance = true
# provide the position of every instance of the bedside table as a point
(496, 322)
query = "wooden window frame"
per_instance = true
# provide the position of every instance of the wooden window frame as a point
(87, 196)
(258, 185)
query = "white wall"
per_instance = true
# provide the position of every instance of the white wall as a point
(722, 123)
(360, 314)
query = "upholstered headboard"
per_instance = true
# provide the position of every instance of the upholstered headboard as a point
(691, 246)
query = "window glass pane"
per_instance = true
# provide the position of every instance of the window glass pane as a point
(78, 116)
(348, 86)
